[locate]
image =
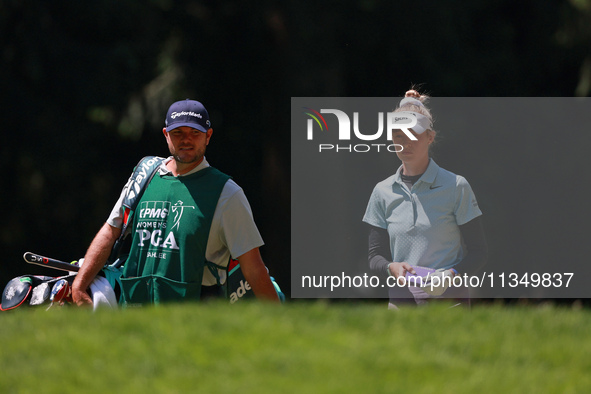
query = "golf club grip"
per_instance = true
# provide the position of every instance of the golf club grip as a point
(33, 258)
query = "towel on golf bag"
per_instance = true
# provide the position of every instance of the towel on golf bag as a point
(102, 294)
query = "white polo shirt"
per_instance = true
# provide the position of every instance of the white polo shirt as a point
(423, 222)
(233, 231)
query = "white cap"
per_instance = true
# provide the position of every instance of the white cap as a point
(412, 120)
(411, 101)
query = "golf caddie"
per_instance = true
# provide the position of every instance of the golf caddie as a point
(190, 220)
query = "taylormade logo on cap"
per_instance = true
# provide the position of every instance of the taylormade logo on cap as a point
(189, 113)
(175, 115)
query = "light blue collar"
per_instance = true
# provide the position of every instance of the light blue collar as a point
(428, 176)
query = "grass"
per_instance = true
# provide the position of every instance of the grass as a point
(299, 347)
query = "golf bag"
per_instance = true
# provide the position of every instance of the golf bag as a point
(34, 290)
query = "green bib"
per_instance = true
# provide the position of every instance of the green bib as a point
(170, 229)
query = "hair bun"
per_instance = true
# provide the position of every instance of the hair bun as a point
(412, 93)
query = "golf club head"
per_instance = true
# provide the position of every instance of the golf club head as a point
(16, 292)
(40, 294)
(61, 292)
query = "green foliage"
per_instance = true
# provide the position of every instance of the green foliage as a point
(300, 347)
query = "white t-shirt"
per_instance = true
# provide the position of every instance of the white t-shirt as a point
(233, 231)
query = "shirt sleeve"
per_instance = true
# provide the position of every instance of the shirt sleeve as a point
(238, 230)
(466, 207)
(116, 217)
(375, 212)
(379, 255)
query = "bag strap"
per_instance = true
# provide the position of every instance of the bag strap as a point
(213, 269)
(135, 187)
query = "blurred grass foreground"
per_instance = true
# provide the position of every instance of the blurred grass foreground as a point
(299, 347)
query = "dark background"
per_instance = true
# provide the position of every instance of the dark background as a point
(86, 85)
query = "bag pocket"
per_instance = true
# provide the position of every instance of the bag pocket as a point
(156, 289)
(167, 290)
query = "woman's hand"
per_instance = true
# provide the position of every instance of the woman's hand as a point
(400, 269)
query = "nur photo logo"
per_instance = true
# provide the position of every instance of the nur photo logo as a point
(348, 131)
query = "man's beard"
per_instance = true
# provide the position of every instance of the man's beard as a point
(197, 157)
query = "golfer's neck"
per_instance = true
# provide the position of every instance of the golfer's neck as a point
(415, 167)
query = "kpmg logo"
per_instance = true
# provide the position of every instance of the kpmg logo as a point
(392, 120)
